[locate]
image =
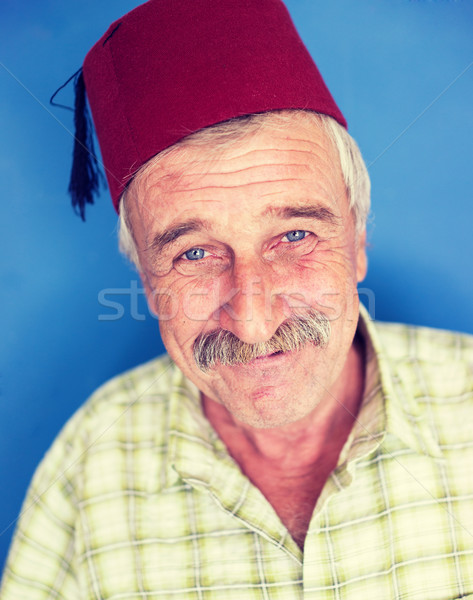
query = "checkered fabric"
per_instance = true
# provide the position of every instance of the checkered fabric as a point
(139, 499)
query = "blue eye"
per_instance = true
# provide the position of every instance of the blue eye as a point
(195, 254)
(295, 236)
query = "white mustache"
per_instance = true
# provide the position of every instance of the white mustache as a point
(224, 347)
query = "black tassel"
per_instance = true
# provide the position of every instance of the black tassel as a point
(86, 176)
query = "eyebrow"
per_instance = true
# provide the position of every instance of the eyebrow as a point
(161, 240)
(314, 211)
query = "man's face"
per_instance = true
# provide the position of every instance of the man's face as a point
(241, 242)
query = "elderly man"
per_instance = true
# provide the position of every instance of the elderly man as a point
(288, 447)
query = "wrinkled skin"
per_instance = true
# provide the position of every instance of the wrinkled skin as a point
(252, 272)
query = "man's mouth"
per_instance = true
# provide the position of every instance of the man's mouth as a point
(270, 359)
(269, 355)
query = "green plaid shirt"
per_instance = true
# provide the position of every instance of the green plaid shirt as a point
(139, 499)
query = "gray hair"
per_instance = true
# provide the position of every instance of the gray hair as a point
(217, 137)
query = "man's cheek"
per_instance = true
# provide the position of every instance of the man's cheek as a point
(199, 303)
(164, 303)
(179, 297)
(332, 299)
(338, 303)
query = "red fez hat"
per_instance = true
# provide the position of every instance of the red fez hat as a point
(171, 67)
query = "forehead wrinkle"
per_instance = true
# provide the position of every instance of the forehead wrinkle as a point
(176, 178)
(229, 155)
(247, 175)
(243, 169)
(236, 186)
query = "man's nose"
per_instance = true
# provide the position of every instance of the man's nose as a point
(250, 306)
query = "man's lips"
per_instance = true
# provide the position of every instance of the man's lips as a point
(266, 361)
(269, 355)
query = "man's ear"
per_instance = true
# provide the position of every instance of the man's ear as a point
(361, 257)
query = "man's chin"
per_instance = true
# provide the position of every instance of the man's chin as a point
(268, 392)
(267, 407)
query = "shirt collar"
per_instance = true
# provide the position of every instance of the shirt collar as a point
(387, 394)
(192, 442)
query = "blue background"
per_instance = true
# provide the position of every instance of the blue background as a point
(397, 70)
